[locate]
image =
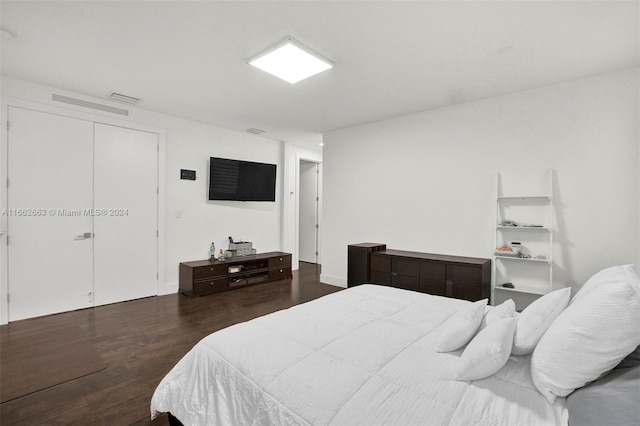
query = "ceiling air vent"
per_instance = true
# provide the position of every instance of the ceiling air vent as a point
(255, 131)
(87, 104)
(130, 100)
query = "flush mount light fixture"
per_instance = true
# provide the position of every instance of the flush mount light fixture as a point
(291, 61)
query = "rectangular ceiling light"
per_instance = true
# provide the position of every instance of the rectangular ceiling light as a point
(291, 61)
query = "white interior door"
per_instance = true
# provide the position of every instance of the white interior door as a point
(126, 208)
(308, 212)
(50, 162)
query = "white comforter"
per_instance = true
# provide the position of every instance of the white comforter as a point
(364, 355)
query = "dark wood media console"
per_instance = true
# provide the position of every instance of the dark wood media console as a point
(466, 278)
(202, 277)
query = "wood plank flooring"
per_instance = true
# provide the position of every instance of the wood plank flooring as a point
(140, 341)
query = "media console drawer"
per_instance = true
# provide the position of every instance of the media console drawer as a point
(277, 261)
(205, 272)
(206, 287)
(201, 277)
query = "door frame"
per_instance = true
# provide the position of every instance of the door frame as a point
(316, 207)
(84, 114)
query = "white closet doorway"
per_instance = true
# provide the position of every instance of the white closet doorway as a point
(308, 212)
(85, 228)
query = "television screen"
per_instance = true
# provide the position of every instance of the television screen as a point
(239, 180)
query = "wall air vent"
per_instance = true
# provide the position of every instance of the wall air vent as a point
(255, 131)
(87, 104)
(130, 100)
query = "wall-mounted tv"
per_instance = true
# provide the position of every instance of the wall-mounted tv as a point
(239, 180)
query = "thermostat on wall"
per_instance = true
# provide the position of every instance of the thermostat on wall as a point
(187, 174)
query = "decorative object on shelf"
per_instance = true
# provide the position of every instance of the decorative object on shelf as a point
(212, 252)
(516, 247)
(505, 252)
(240, 248)
(221, 256)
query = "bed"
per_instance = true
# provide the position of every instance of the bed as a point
(365, 355)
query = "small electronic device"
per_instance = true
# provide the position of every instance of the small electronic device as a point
(187, 174)
(508, 285)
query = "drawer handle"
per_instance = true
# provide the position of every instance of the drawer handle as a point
(212, 269)
(280, 270)
(280, 258)
(210, 283)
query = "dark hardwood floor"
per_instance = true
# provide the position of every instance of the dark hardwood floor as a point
(140, 341)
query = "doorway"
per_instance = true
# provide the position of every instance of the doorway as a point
(309, 199)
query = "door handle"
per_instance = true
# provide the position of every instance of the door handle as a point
(83, 236)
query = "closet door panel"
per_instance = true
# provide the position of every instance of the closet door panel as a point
(50, 162)
(126, 208)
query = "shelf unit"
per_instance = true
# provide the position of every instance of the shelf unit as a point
(534, 229)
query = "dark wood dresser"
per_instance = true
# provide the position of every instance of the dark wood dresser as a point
(202, 277)
(466, 278)
(358, 259)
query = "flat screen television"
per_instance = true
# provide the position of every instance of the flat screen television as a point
(238, 180)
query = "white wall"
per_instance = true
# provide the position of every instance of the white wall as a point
(426, 182)
(189, 145)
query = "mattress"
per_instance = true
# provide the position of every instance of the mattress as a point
(365, 355)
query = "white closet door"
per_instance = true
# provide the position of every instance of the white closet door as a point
(126, 221)
(50, 162)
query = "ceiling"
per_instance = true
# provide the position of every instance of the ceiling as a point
(188, 58)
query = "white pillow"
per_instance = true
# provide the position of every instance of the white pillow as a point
(607, 275)
(461, 326)
(488, 352)
(506, 309)
(536, 318)
(588, 339)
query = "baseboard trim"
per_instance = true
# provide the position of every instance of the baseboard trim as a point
(168, 289)
(333, 280)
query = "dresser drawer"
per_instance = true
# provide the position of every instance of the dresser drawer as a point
(435, 287)
(382, 278)
(435, 271)
(406, 267)
(380, 263)
(405, 282)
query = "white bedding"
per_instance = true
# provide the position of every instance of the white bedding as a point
(364, 355)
